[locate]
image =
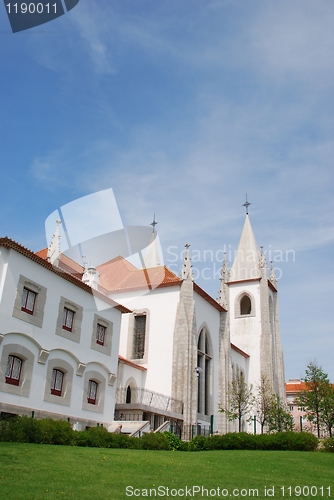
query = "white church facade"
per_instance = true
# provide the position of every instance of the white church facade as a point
(165, 357)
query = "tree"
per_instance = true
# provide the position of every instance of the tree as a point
(327, 410)
(264, 401)
(318, 397)
(240, 400)
(280, 419)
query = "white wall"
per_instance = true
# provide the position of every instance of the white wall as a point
(246, 330)
(34, 338)
(160, 305)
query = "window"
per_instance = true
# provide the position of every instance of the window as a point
(100, 334)
(245, 305)
(204, 361)
(291, 408)
(57, 382)
(128, 395)
(68, 319)
(139, 337)
(13, 370)
(28, 301)
(92, 392)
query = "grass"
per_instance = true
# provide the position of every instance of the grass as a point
(33, 472)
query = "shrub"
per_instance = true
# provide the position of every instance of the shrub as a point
(29, 430)
(175, 443)
(328, 445)
(96, 437)
(11, 430)
(54, 432)
(298, 441)
(154, 441)
(199, 443)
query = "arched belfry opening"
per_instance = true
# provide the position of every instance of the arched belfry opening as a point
(245, 305)
(204, 361)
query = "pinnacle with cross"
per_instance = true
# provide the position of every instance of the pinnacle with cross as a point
(154, 223)
(246, 205)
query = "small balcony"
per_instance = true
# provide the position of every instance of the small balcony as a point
(143, 400)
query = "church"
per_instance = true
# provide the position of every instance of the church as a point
(134, 345)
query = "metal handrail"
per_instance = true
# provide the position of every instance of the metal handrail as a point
(153, 399)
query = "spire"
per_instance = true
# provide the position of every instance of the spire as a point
(54, 252)
(154, 223)
(272, 275)
(152, 254)
(186, 272)
(262, 259)
(224, 278)
(246, 263)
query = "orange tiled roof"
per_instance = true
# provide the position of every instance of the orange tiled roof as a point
(243, 353)
(295, 386)
(120, 275)
(131, 363)
(65, 263)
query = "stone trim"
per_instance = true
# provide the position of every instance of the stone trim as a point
(237, 302)
(106, 348)
(101, 388)
(67, 369)
(28, 358)
(138, 312)
(75, 334)
(38, 314)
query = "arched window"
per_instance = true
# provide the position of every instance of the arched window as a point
(128, 394)
(92, 392)
(245, 305)
(57, 382)
(204, 361)
(13, 370)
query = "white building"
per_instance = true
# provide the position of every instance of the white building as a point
(58, 353)
(178, 348)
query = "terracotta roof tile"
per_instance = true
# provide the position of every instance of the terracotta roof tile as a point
(295, 386)
(236, 349)
(65, 263)
(131, 363)
(120, 275)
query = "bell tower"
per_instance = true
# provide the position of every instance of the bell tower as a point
(253, 310)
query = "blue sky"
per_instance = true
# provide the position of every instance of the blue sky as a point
(181, 107)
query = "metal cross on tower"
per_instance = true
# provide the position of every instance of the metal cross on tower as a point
(246, 204)
(154, 223)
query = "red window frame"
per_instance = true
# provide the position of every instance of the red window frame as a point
(28, 301)
(68, 319)
(100, 334)
(92, 392)
(13, 370)
(57, 382)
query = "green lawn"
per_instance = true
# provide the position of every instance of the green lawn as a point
(29, 471)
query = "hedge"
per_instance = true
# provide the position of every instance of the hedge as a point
(60, 432)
